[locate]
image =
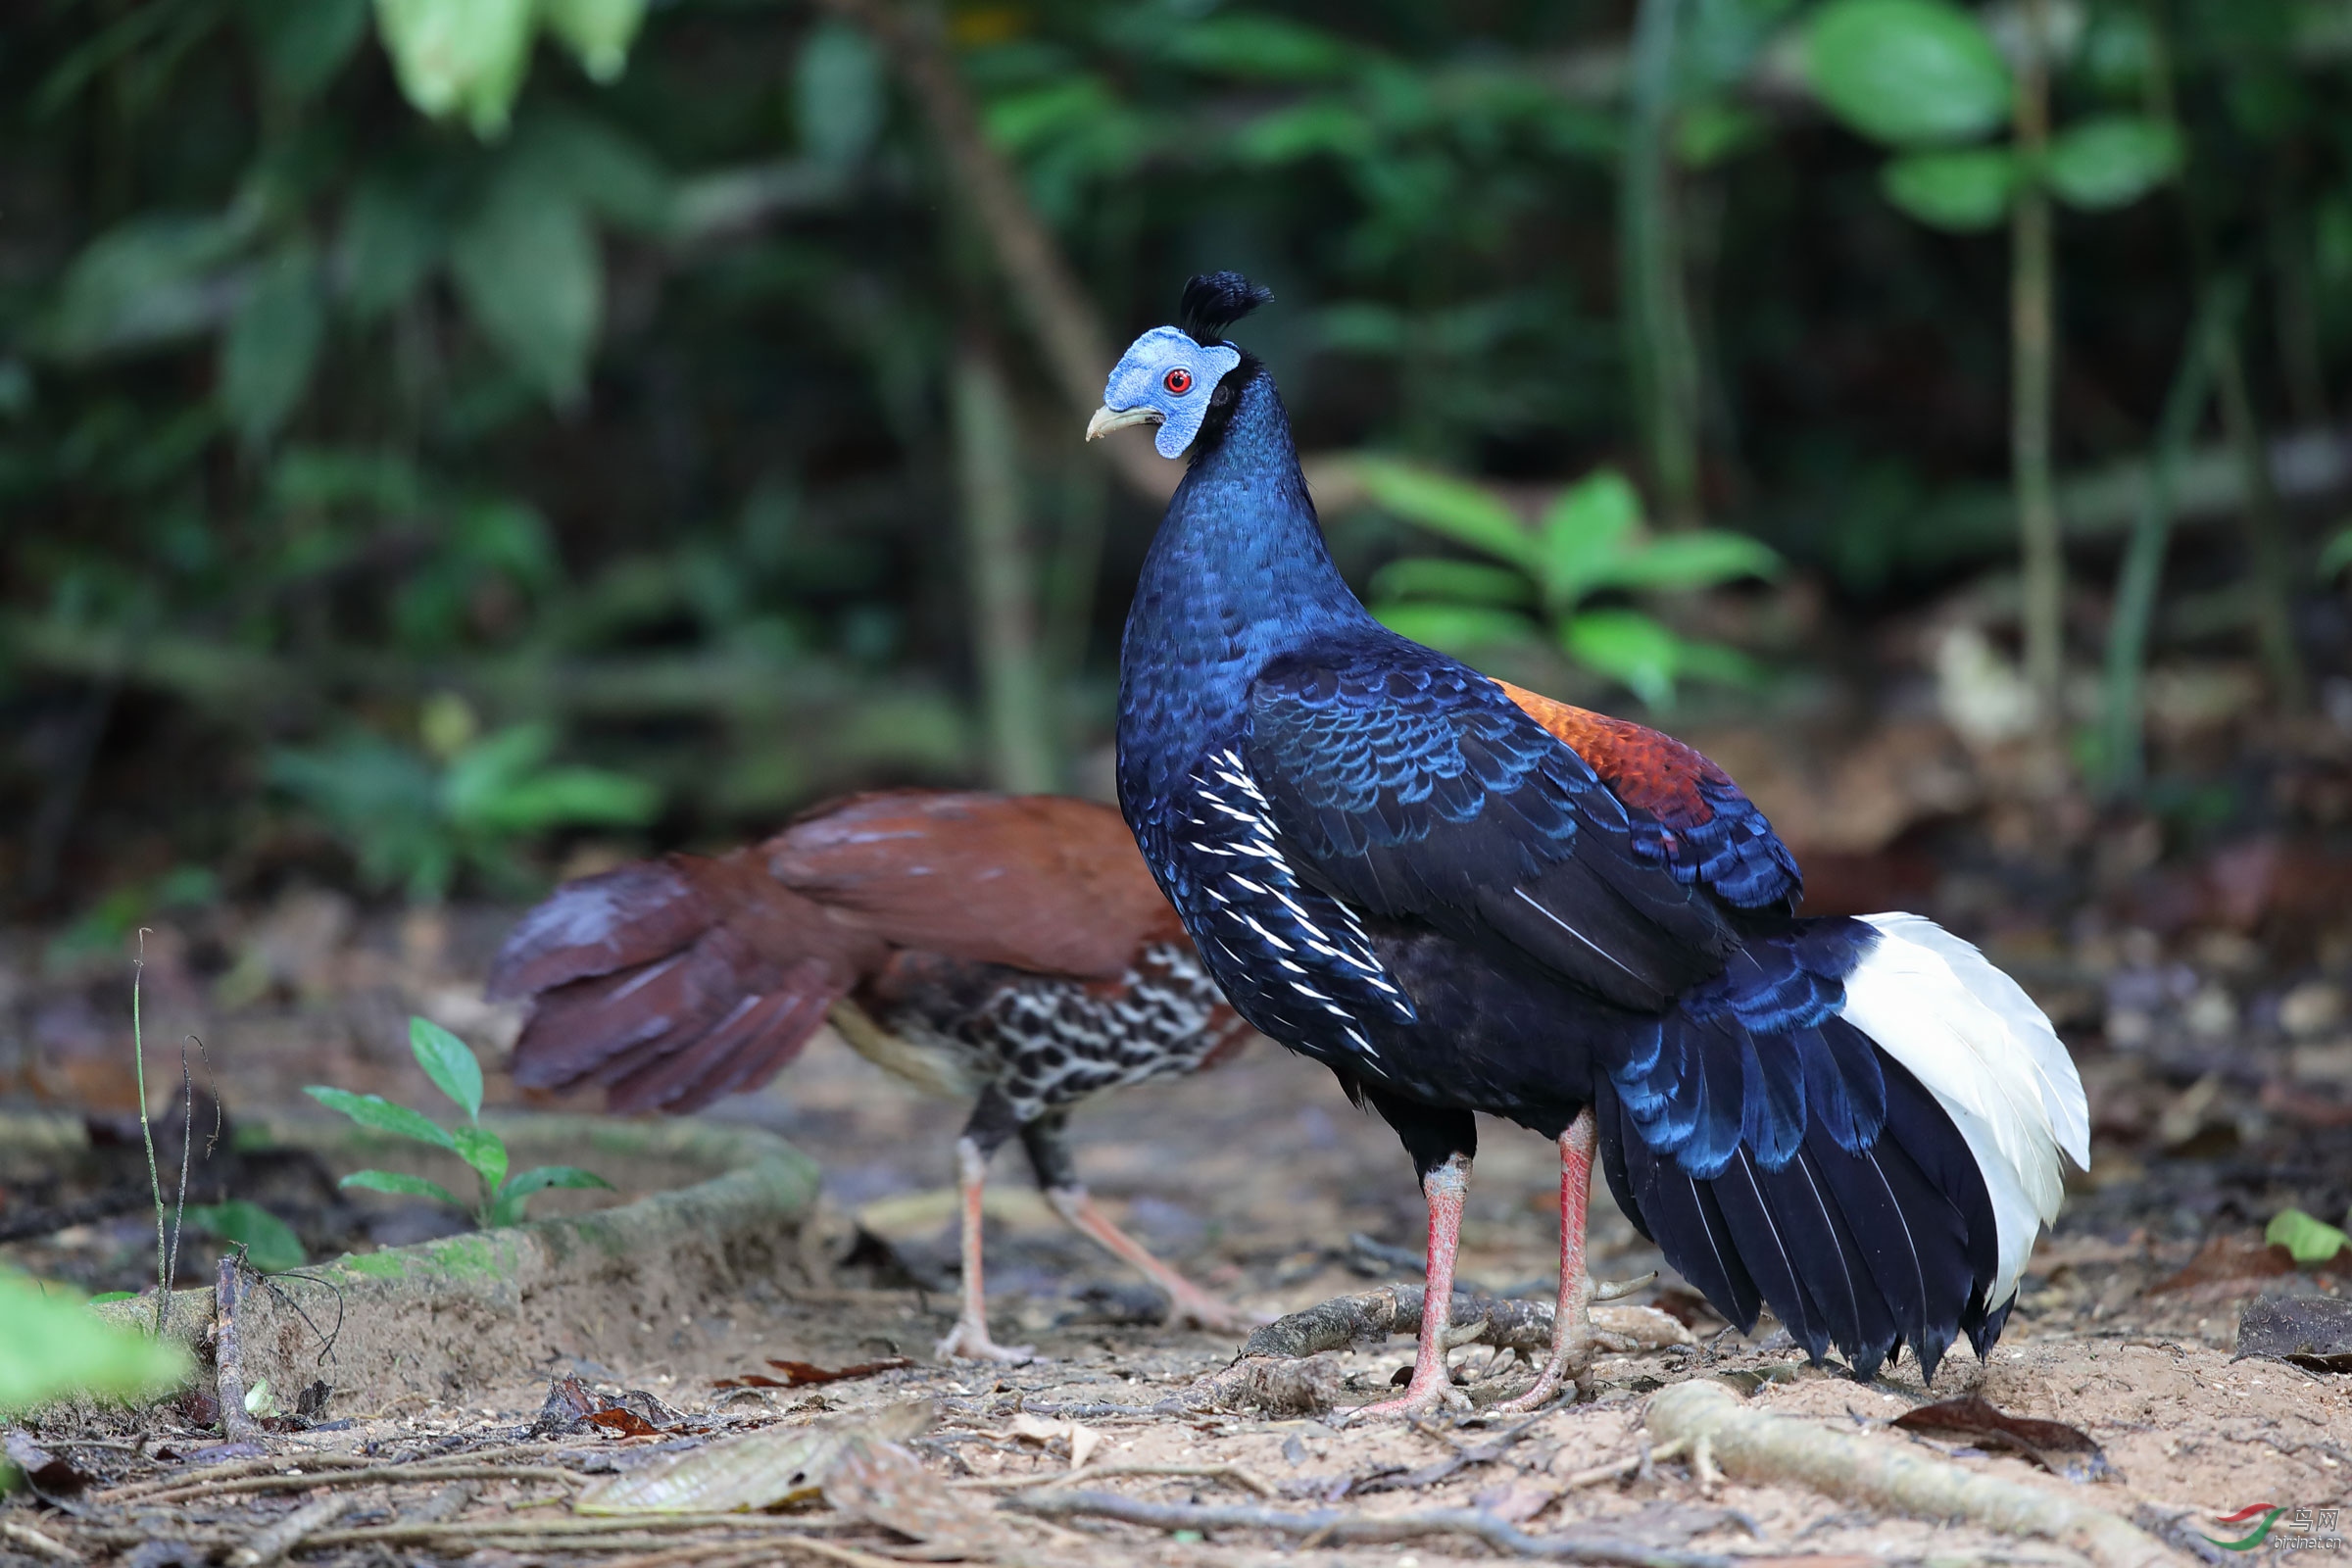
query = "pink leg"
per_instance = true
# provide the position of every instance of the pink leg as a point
(1572, 1320)
(968, 1341)
(1432, 1387)
(1189, 1303)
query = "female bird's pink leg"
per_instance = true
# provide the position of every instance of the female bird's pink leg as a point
(1572, 1320)
(1432, 1387)
(1187, 1301)
(968, 1341)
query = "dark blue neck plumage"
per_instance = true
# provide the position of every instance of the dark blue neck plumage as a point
(1237, 574)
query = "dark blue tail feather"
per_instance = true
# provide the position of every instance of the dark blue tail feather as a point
(1800, 1167)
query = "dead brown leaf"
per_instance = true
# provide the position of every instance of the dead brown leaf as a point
(2057, 1447)
(884, 1484)
(805, 1374)
(2227, 1259)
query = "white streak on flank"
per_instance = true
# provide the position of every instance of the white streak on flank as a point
(1977, 1042)
(1521, 895)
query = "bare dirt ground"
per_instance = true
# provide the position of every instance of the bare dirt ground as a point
(1261, 1182)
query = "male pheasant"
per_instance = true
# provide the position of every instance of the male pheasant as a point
(1462, 896)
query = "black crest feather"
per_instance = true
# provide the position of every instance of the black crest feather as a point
(1214, 301)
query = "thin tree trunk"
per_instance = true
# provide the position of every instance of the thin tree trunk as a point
(1069, 331)
(1659, 352)
(1002, 571)
(2265, 527)
(2141, 574)
(2032, 376)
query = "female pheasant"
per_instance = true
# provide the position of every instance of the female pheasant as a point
(1008, 946)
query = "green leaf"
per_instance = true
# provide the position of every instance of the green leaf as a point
(528, 269)
(449, 1063)
(144, 282)
(52, 1345)
(271, 346)
(1457, 629)
(458, 55)
(1907, 72)
(1627, 646)
(402, 1183)
(2335, 555)
(568, 795)
(1679, 561)
(260, 1401)
(1582, 534)
(1713, 131)
(1464, 581)
(1258, 47)
(838, 99)
(1961, 191)
(507, 1208)
(598, 32)
(541, 1177)
(303, 45)
(2112, 160)
(2307, 1240)
(1455, 508)
(391, 239)
(1327, 126)
(486, 1153)
(269, 1242)
(374, 1111)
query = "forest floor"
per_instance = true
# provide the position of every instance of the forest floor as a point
(2204, 996)
(1260, 1181)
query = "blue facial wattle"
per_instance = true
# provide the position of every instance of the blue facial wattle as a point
(1142, 379)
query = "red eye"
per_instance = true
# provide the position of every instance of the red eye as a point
(1178, 380)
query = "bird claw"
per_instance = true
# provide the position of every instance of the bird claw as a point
(968, 1341)
(1434, 1399)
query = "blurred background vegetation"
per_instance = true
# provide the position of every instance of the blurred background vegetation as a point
(440, 439)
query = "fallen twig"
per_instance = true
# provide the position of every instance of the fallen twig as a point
(1341, 1526)
(237, 1422)
(1627, 1466)
(1063, 1478)
(575, 1533)
(292, 1531)
(1726, 1435)
(27, 1538)
(384, 1475)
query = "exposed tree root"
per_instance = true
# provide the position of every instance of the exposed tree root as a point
(1274, 1373)
(1726, 1436)
(1345, 1526)
(384, 1475)
(229, 1361)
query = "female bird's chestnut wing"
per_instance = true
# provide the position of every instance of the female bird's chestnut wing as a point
(1412, 786)
(1043, 883)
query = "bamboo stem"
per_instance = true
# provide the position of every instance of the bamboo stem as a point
(1659, 352)
(2141, 573)
(1002, 571)
(2032, 314)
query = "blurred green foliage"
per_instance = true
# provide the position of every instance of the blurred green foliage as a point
(587, 363)
(53, 1347)
(1588, 544)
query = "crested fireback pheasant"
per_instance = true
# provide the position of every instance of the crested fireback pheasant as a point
(1460, 896)
(1008, 946)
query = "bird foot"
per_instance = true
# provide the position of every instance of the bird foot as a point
(1421, 1398)
(968, 1341)
(1548, 1385)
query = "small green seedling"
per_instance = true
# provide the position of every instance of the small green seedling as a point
(450, 1063)
(2309, 1240)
